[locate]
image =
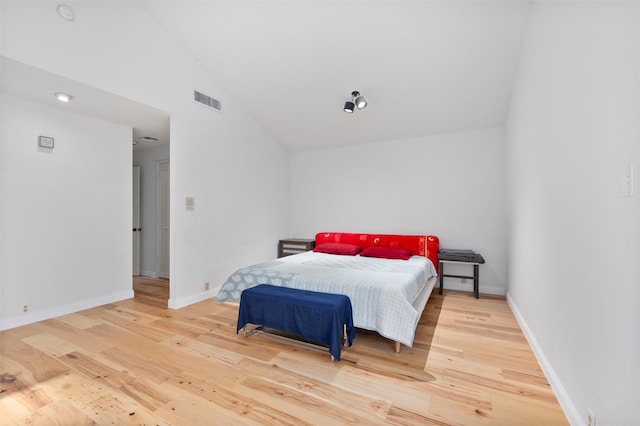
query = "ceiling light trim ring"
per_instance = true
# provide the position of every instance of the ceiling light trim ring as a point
(63, 97)
(66, 12)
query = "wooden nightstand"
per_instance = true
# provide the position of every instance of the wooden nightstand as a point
(291, 246)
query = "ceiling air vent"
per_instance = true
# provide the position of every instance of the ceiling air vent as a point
(207, 100)
(139, 139)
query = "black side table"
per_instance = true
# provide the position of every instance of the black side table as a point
(291, 246)
(464, 257)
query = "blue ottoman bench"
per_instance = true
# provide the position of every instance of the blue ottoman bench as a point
(317, 317)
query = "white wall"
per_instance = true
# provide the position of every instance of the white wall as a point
(148, 162)
(452, 186)
(236, 172)
(1, 204)
(574, 241)
(66, 212)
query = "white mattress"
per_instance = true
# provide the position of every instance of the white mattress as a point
(386, 295)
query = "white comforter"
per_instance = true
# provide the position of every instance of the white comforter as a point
(382, 291)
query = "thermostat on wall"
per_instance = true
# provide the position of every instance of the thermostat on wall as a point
(45, 141)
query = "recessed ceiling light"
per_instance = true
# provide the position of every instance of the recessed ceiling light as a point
(65, 12)
(63, 97)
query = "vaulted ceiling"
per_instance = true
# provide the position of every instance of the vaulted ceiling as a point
(426, 67)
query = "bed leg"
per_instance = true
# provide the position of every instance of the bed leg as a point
(397, 347)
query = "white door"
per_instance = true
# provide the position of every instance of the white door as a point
(163, 218)
(136, 220)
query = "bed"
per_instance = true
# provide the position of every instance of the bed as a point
(388, 278)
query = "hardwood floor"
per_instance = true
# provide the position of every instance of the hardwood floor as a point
(134, 362)
(152, 291)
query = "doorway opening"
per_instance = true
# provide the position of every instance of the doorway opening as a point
(151, 222)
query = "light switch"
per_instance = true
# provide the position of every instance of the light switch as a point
(190, 204)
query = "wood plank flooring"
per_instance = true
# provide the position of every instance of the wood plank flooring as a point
(135, 362)
(152, 291)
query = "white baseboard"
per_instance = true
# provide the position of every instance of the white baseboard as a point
(151, 274)
(564, 399)
(190, 300)
(32, 317)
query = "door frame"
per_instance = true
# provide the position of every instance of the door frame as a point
(158, 221)
(136, 240)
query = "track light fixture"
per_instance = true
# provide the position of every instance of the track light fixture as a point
(361, 102)
(349, 107)
(357, 100)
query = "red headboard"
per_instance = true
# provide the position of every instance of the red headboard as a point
(419, 245)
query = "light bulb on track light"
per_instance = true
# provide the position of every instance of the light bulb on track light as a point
(349, 107)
